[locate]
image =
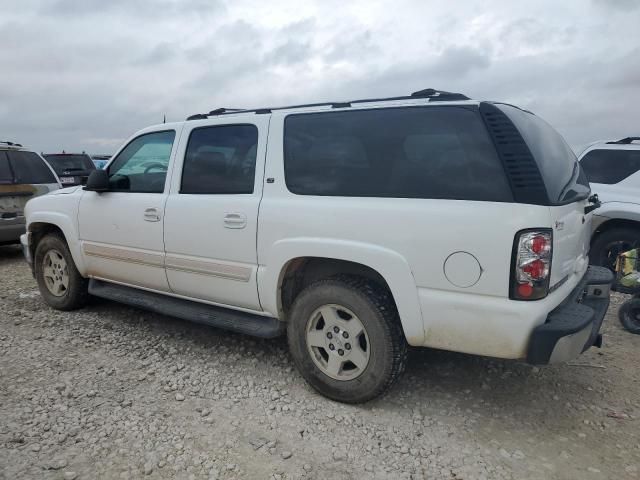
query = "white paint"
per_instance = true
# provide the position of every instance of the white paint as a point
(458, 304)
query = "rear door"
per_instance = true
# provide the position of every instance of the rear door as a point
(211, 215)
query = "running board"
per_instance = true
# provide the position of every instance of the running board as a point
(236, 321)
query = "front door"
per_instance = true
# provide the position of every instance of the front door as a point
(211, 214)
(121, 230)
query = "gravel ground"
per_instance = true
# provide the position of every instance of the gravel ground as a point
(113, 392)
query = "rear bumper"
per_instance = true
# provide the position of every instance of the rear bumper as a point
(573, 326)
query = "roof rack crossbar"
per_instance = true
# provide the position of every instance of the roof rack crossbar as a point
(430, 93)
(10, 144)
(625, 141)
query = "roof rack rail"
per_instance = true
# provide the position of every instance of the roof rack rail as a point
(625, 141)
(430, 93)
(11, 144)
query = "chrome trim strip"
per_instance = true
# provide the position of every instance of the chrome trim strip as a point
(171, 262)
(207, 267)
(124, 254)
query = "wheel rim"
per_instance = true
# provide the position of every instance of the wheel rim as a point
(338, 342)
(55, 273)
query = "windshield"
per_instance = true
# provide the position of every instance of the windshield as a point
(69, 163)
(563, 177)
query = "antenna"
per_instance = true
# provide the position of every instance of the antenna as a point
(164, 118)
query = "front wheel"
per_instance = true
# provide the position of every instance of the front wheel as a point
(59, 281)
(629, 315)
(346, 339)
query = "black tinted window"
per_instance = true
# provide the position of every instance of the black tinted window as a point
(610, 166)
(416, 152)
(557, 163)
(28, 167)
(220, 159)
(6, 175)
(142, 165)
(69, 163)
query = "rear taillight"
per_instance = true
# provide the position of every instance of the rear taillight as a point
(531, 269)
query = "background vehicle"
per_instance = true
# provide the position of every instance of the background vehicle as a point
(23, 175)
(364, 227)
(72, 168)
(613, 170)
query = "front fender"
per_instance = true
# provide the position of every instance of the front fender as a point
(69, 229)
(616, 211)
(391, 265)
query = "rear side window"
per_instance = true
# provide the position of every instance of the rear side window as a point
(414, 152)
(220, 160)
(6, 175)
(610, 166)
(556, 161)
(28, 167)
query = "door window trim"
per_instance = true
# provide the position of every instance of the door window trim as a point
(176, 138)
(218, 125)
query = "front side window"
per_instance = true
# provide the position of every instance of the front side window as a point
(410, 152)
(610, 166)
(30, 168)
(220, 160)
(142, 165)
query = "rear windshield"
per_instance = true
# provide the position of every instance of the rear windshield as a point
(62, 163)
(409, 152)
(610, 166)
(559, 167)
(29, 168)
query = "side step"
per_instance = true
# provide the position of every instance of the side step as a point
(236, 321)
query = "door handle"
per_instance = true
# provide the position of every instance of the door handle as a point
(151, 215)
(235, 220)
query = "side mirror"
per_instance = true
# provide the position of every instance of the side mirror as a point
(98, 181)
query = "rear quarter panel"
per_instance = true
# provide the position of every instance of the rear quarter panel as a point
(408, 242)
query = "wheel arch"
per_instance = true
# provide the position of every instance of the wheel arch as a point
(293, 264)
(39, 226)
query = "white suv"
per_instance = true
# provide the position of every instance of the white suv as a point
(613, 169)
(359, 228)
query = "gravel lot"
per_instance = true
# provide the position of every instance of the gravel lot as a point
(113, 392)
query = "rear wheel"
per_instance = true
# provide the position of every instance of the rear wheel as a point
(345, 338)
(609, 244)
(629, 315)
(59, 281)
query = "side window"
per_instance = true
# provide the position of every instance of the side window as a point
(142, 165)
(6, 175)
(220, 160)
(415, 152)
(29, 168)
(610, 166)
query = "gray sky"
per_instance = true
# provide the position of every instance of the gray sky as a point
(86, 74)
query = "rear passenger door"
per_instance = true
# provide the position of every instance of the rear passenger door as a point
(212, 211)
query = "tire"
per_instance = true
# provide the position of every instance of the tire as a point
(61, 285)
(629, 315)
(348, 303)
(609, 244)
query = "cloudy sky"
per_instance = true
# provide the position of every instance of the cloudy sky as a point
(86, 74)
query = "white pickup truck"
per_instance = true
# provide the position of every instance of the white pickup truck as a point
(358, 228)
